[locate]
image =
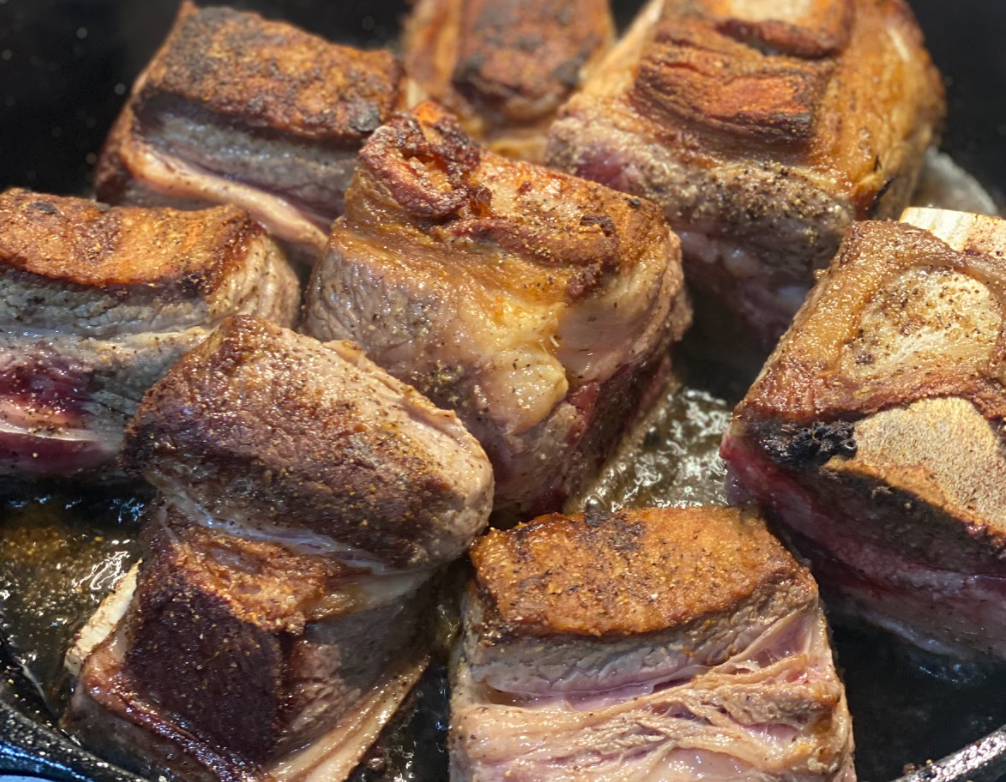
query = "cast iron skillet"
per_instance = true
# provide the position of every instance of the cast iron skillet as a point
(65, 66)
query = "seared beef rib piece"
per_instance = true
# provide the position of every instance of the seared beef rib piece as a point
(237, 109)
(278, 435)
(537, 305)
(505, 66)
(307, 498)
(98, 302)
(763, 129)
(874, 432)
(675, 643)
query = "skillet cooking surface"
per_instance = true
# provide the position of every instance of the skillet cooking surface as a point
(65, 66)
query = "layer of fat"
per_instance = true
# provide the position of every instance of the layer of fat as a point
(333, 756)
(175, 178)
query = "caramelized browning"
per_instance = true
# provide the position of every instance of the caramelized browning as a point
(537, 305)
(271, 431)
(201, 628)
(77, 241)
(763, 129)
(505, 66)
(661, 643)
(426, 162)
(522, 57)
(808, 29)
(566, 238)
(634, 572)
(270, 75)
(874, 433)
(851, 351)
(704, 76)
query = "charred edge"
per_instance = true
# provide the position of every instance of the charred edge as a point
(441, 151)
(879, 197)
(813, 445)
(594, 515)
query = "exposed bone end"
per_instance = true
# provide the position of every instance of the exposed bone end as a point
(961, 230)
(102, 622)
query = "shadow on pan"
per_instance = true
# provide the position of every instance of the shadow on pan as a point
(65, 66)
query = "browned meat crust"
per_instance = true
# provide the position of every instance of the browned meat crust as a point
(264, 427)
(140, 252)
(306, 501)
(237, 109)
(763, 128)
(97, 302)
(520, 297)
(212, 613)
(681, 643)
(874, 430)
(271, 76)
(545, 578)
(505, 67)
(830, 367)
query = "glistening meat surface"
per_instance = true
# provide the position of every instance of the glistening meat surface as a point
(538, 306)
(306, 502)
(670, 644)
(762, 130)
(505, 66)
(873, 431)
(237, 109)
(96, 303)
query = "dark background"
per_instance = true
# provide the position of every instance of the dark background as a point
(65, 66)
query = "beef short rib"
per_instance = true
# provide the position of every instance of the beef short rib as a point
(874, 434)
(669, 643)
(306, 502)
(763, 129)
(538, 306)
(505, 66)
(237, 109)
(98, 302)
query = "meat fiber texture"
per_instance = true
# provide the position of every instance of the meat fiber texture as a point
(874, 432)
(763, 129)
(671, 644)
(306, 503)
(505, 66)
(237, 109)
(96, 303)
(538, 306)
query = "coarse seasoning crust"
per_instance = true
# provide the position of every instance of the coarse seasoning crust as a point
(634, 572)
(900, 349)
(277, 428)
(485, 283)
(763, 130)
(139, 252)
(272, 76)
(827, 368)
(874, 433)
(453, 194)
(516, 60)
(839, 90)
